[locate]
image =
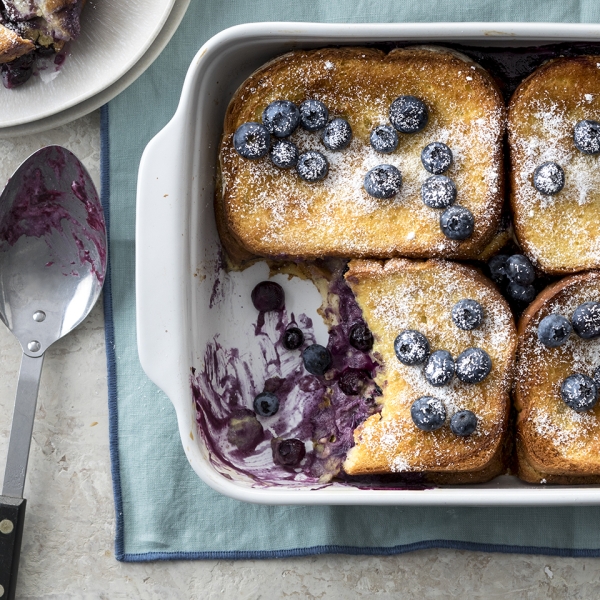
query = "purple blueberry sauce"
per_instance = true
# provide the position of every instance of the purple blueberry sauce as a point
(312, 409)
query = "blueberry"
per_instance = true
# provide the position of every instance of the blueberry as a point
(520, 270)
(288, 453)
(463, 423)
(312, 166)
(436, 157)
(383, 181)
(244, 431)
(579, 392)
(384, 139)
(554, 330)
(549, 178)
(586, 320)
(266, 404)
(337, 135)
(361, 337)
(497, 266)
(268, 295)
(522, 293)
(411, 347)
(18, 71)
(457, 222)
(292, 338)
(586, 136)
(438, 191)
(313, 115)
(284, 154)
(408, 114)
(251, 140)
(473, 365)
(439, 369)
(428, 413)
(352, 382)
(467, 314)
(317, 359)
(281, 118)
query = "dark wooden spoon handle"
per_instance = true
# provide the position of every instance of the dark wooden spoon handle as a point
(12, 519)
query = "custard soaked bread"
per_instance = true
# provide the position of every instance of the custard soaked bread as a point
(326, 153)
(554, 139)
(557, 384)
(446, 340)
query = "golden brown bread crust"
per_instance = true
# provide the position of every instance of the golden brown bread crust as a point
(403, 294)
(530, 474)
(561, 233)
(12, 45)
(272, 212)
(554, 442)
(497, 465)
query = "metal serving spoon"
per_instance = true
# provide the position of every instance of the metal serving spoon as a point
(52, 267)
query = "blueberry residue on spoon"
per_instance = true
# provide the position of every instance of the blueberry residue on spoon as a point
(39, 211)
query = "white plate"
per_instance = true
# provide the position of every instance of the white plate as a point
(177, 252)
(87, 106)
(114, 37)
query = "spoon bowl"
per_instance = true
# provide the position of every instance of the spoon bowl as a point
(52, 248)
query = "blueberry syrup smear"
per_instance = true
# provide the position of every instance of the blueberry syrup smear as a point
(321, 412)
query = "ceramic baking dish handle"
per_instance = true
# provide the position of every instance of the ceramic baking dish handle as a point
(160, 257)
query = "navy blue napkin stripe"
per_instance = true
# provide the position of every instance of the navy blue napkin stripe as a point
(359, 551)
(120, 553)
(109, 337)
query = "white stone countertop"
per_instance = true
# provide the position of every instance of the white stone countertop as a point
(68, 544)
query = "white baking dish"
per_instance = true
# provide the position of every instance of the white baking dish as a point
(177, 248)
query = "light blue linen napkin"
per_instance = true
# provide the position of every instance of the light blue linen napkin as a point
(163, 509)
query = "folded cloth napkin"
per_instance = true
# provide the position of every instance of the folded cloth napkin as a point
(164, 511)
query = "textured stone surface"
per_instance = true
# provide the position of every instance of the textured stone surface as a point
(69, 530)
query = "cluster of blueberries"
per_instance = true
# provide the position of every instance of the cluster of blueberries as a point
(549, 177)
(580, 392)
(280, 119)
(269, 296)
(515, 275)
(471, 366)
(407, 114)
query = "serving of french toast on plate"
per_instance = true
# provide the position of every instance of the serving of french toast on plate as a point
(33, 30)
(398, 164)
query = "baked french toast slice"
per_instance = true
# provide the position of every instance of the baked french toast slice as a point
(559, 229)
(263, 210)
(402, 295)
(556, 443)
